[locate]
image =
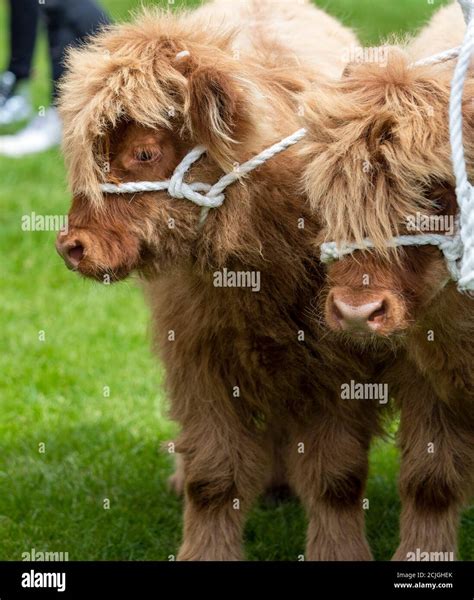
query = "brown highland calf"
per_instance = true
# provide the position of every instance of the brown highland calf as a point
(379, 154)
(256, 393)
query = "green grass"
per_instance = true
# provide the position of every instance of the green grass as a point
(109, 447)
(374, 20)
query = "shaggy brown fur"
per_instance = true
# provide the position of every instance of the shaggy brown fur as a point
(257, 403)
(380, 153)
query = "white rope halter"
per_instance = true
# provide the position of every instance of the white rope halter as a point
(458, 250)
(213, 195)
(450, 246)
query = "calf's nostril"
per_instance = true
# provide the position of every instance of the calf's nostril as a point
(75, 254)
(337, 313)
(377, 314)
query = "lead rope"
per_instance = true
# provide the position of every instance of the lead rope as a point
(464, 190)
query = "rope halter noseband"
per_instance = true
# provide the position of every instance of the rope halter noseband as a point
(458, 250)
(203, 194)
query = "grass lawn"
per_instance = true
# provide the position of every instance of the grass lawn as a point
(66, 341)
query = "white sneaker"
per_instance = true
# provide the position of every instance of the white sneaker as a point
(43, 133)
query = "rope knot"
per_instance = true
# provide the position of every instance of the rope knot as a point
(179, 189)
(175, 186)
(452, 249)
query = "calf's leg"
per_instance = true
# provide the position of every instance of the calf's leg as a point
(437, 471)
(328, 469)
(225, 468)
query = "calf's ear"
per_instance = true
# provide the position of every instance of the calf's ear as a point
(219, 113)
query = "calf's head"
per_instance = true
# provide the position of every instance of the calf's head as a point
(134, 102)
(379, 166)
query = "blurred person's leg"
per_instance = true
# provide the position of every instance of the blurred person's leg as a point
(15, 104)
(24, 16)
(68, 23)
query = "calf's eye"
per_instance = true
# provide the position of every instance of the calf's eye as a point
(145, 155)
(444, 200)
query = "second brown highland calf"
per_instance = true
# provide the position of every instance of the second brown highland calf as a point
(379, 156)
(254, 389)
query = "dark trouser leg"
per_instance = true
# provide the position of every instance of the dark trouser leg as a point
(69, 22)
(24, 15)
